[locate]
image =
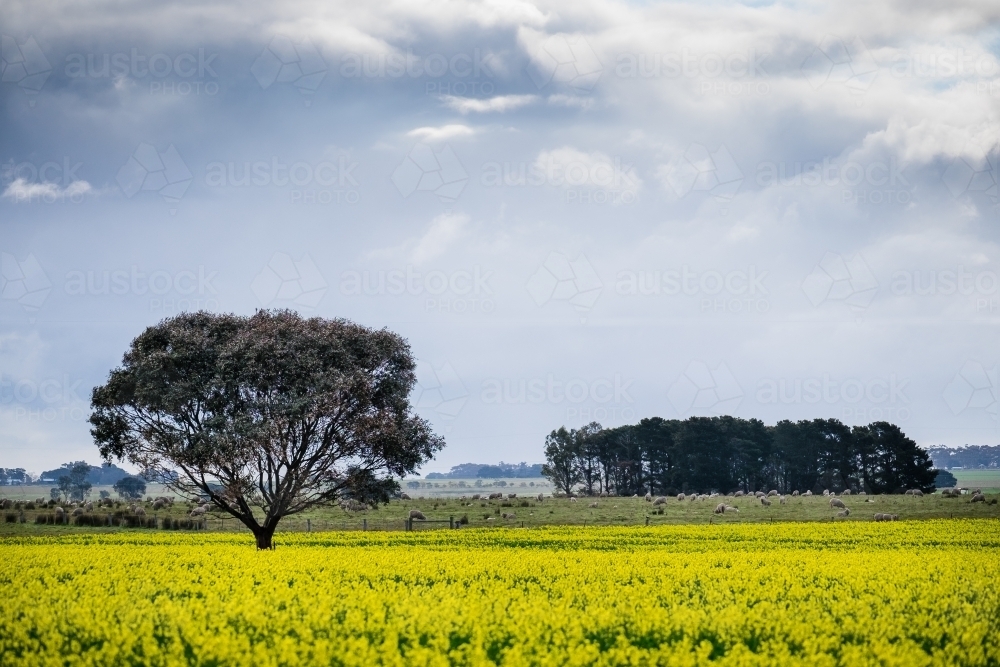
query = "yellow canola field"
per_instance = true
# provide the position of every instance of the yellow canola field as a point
(906, 593)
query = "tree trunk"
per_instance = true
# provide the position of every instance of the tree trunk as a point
(264, 535)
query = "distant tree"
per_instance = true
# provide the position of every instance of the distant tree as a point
(105, 494)
(413, 484)
(561, 460)
(55, 493)
(944, 480)
(74, 486)
(131, 488)
(282, 413)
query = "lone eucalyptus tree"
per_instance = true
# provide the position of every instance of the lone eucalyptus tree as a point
(267, 415)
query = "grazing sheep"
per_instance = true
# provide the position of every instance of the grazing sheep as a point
(139, 511)
(879, 516)
(978, 498)
(764, 501)
(508, 515)
(946, 492)
(894, 517)
(772, 493)
(739, 494)
(720, 508)
(759, 494)
(846, 512)
(511, 495)
(846, 492)
(808, 492)
(78, 511)
(592, 505)
(730, 508)
(660, 500)
(649, 497)
(837, 502)
(541, 497)
(475, 496)
(158, 505)
(781, 500)
(404, 496)
(59, 510)
(90, 507)
(495, 496)
(826, 492)
(681, 496)
(918, 492)
(198, 511)
(572, 499)
(795, 492)
(417, 514)
(862, 493)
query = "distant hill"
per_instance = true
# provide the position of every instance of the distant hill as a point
(972, 456)
(489, 471)
(104, 475)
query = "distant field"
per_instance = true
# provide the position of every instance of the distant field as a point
(527, 511)
(984, 479)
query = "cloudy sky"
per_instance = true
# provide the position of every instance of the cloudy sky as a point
(574, 211)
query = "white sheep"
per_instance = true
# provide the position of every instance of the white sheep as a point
(837, 502)
(660, 500)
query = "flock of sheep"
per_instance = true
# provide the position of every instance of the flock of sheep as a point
(765, 499)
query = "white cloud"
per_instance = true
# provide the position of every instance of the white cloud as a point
(22, 191)
(442, 133)
(498, 104)
(444, 230)
(571, 167)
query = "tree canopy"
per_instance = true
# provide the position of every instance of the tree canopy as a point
(267, 415)
(724, 454)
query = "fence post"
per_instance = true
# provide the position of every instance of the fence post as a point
(364, 524)
(451, 522)
(647, 519)
(309, 526)
(409, 524)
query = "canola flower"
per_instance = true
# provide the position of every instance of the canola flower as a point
(906, 593)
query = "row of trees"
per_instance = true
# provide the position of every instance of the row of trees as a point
(75, 484)
(703, 454)
(970, 456)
